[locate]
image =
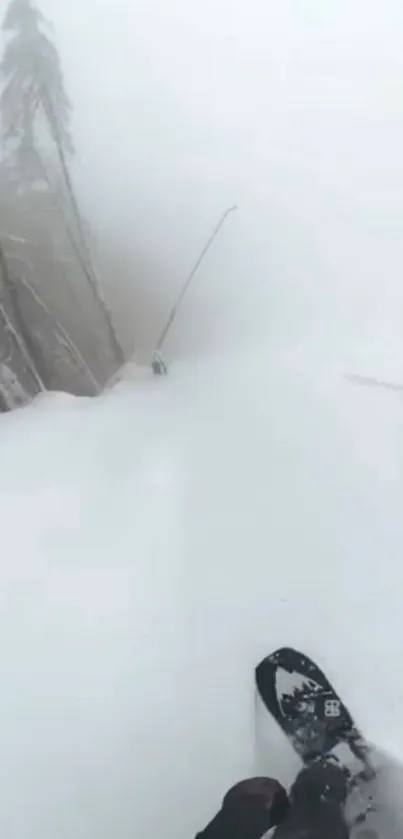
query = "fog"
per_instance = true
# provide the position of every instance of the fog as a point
(294, 111)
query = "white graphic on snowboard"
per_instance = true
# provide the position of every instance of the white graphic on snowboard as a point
(288, 684)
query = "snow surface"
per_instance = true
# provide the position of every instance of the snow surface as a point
(156, 543)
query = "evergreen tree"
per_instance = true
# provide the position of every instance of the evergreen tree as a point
(34, 106)
(33, 87)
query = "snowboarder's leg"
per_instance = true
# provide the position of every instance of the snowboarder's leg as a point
(248, 811)
(317, 801)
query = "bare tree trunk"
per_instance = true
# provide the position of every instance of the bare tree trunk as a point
(19, 342)
(4, 409)
(85, 261)
(64, 338)
(26, 345)
(191, 275)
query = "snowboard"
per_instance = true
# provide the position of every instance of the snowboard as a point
(319, 726)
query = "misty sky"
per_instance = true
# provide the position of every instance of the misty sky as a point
(294, 111)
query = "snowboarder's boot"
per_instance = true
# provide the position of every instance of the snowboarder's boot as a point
(317, 801)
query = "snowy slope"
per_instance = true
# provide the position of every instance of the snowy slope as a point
(156, 543)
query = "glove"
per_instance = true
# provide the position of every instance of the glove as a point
(249, 809)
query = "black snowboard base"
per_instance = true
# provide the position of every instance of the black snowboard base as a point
(322, 732)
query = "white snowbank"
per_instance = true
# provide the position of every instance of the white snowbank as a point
(57, 399)
(156, 543)
(130, 372)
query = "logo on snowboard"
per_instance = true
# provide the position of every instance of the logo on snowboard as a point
(332, 708)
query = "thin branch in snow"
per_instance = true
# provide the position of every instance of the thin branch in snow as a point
(371, 381)
(18, 239)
